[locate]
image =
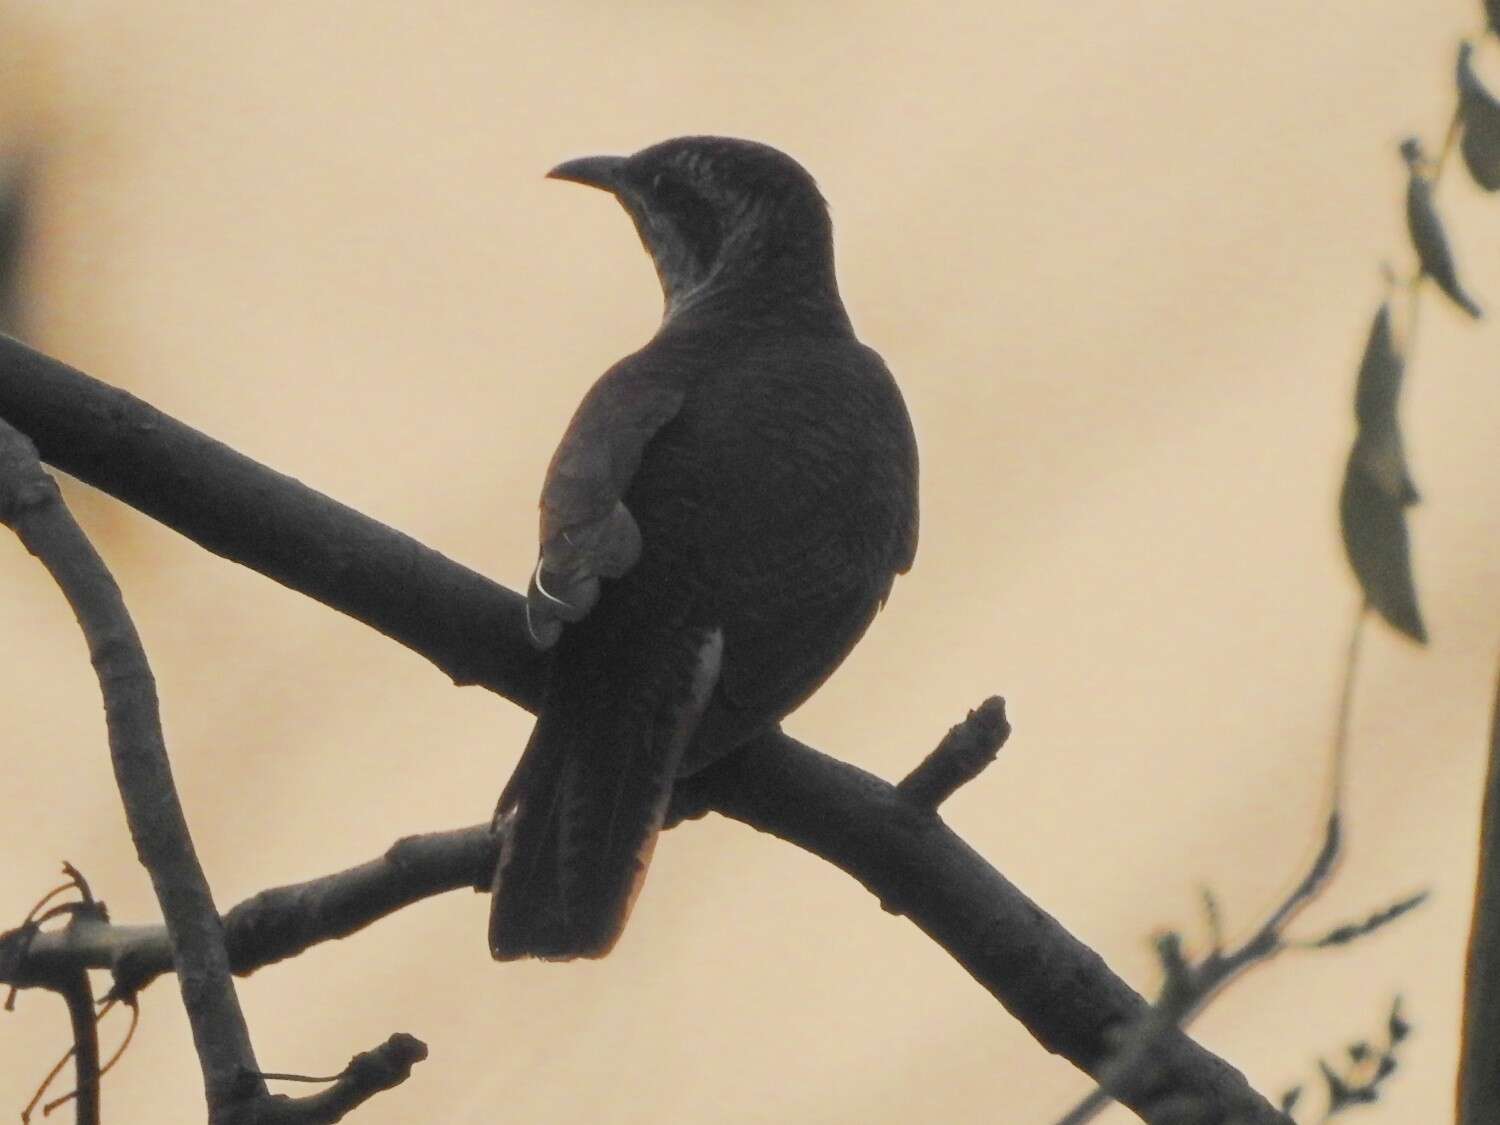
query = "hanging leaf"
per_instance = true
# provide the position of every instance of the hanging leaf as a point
(1380, 371)
(1427, 230)
(1378, 487)
(1340, 1093)
(1376, 540)
(1397, 1026)
(1431, 242)
(1427, 233)
(1481, 122)
(1382, 451)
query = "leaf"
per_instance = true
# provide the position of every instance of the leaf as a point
(1380, 371)
(1342, 935)
(1375, 537)
(1339, 1093)
(1427, 233)
(1378, 486)
(1376, 392)
(1481, 121)
(1397, 1027)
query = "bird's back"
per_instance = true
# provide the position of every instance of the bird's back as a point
(786, 490)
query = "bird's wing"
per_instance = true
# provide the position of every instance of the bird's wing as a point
(587, 533)
(809, 582)
(786, 638)
(806, 469)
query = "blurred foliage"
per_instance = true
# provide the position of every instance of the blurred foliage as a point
(1480, 113)
(1378, 488)
(14, 190)
(1358, 1078)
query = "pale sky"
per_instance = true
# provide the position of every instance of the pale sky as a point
(1121, 258)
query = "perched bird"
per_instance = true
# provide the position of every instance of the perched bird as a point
(724, 516)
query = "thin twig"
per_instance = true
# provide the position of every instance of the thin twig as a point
(1450, 138)
(1363, 1070)
(73, 985)
(368, 1073)
(80, 1000)
(45, 1085)
(1339, 755)
(1189, 987)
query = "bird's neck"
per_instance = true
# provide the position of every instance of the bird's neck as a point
(791, 292)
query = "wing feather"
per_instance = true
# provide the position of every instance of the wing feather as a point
(587, 532)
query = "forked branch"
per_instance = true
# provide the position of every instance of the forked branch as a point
(32, 506)
(472, 629)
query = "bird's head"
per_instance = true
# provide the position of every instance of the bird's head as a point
(722, 216)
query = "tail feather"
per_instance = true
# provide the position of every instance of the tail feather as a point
(582, 812)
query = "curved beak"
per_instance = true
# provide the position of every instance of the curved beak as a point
(601, 172)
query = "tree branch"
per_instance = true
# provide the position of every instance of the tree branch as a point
(32, 507)
(1479, 1058)
(70, 980)
(271, 926)
(961, 757)
(472, 629)
(80, 1000)
(368, 1073)
(72, 985)
(911, 861)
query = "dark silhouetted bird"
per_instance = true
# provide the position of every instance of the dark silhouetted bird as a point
(722, 520)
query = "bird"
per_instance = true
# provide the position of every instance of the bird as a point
(723, 517)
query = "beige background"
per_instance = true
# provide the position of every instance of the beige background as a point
(1122, 258)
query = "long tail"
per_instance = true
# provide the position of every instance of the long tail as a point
(583, 809)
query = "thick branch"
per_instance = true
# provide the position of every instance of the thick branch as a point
(471, 628)
(915, 864)
(1059, 988)
(32, 507)
(1479, 1061)
(1062, 991)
